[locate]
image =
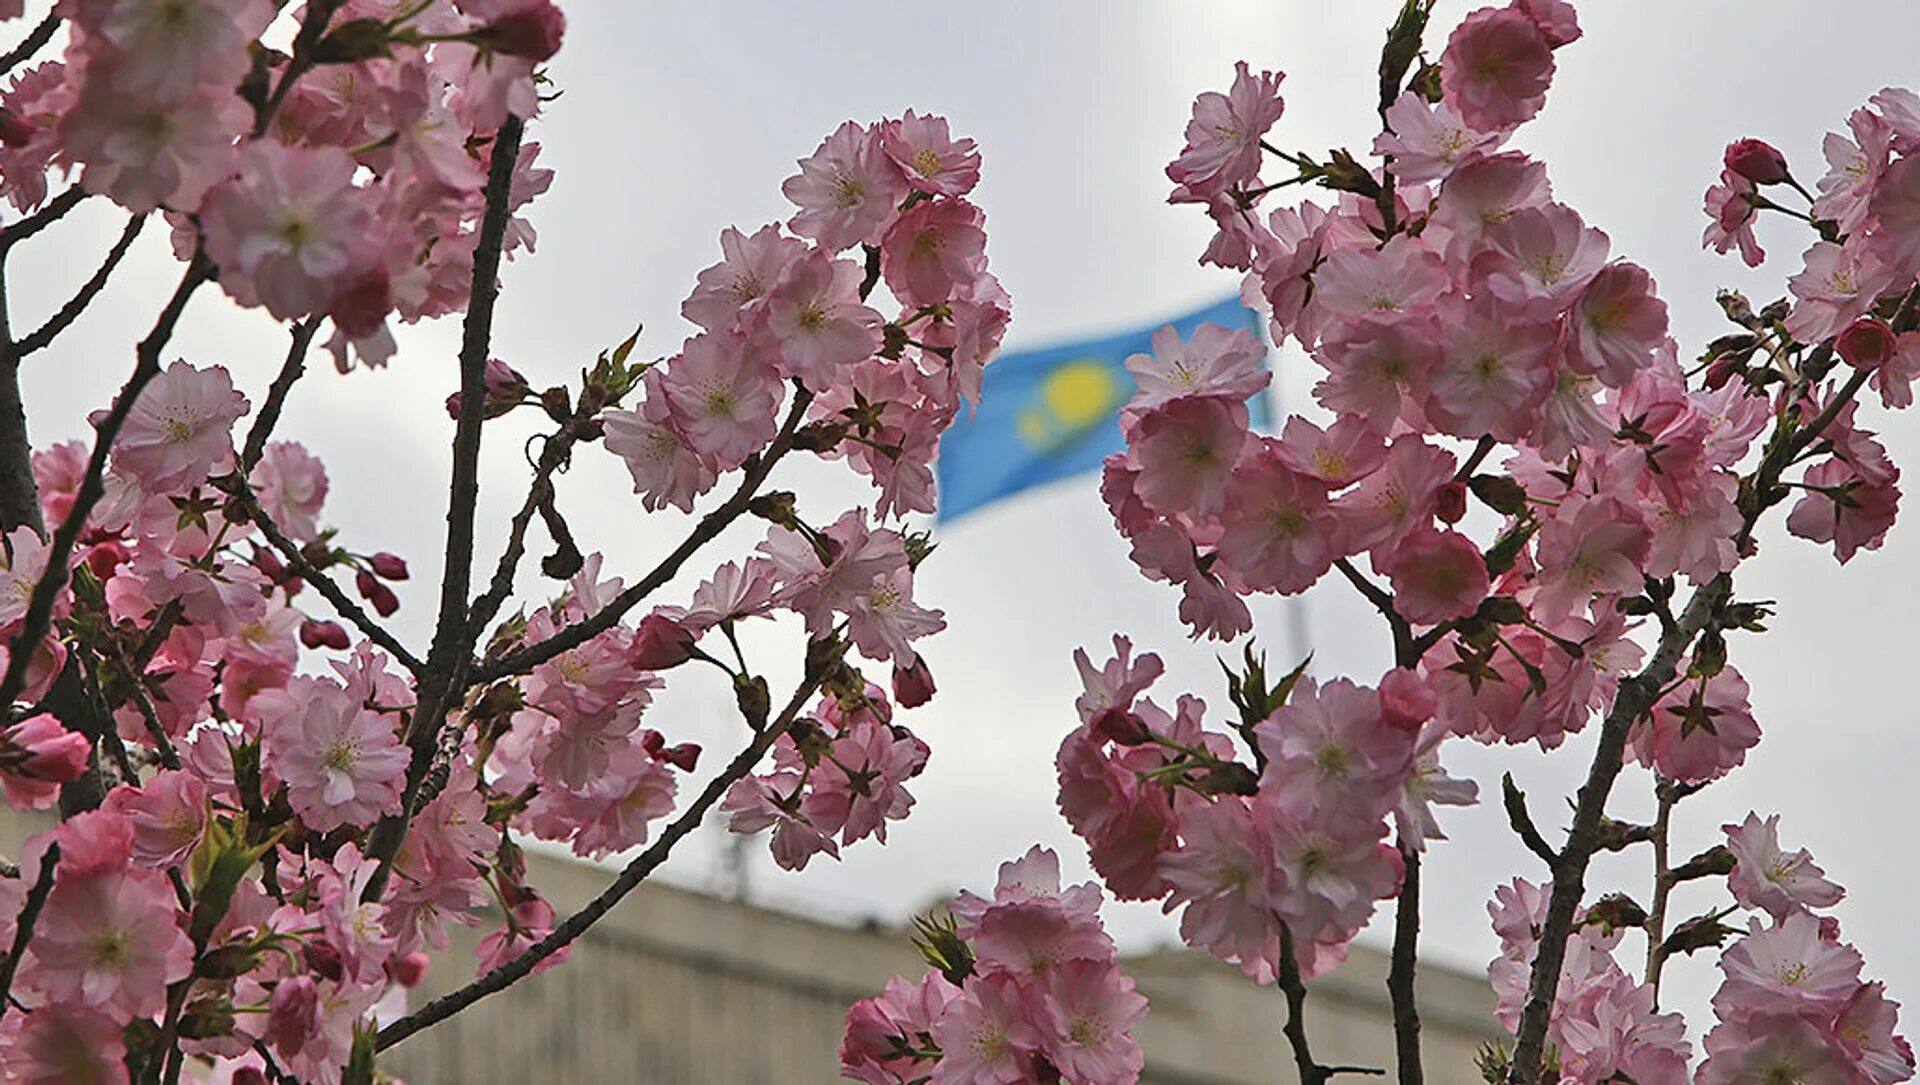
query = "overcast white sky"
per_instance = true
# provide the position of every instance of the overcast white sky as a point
(680, 119)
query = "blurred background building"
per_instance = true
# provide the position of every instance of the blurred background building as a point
(676, 987)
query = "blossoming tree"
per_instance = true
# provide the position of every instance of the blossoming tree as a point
(1552, 502)
(270, 806)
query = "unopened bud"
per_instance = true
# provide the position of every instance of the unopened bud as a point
(15, 130)
(912, 684)
(1450, 505)
(1122, 728)
(1406, 701)
(685, 756)
(663, 642)
(382, 597)
(1757, 160)
(1866, 344)
(407, 969)
(388, 566)
(318, 634)
(534, 32)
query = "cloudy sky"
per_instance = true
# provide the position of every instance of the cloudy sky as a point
(680, 119)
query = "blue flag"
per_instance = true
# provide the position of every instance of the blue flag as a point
(1054, 413)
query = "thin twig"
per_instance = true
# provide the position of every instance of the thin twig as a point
(1522, 822)
(51, 212)
(92, 485)
(23, 927)
(1295, 990)
(290, 371)
(1400, 974)
(36, 40)
(43, 336)
(710, 526)
(635, 873)
(1662, 885)
(441, 683)
(343, 604)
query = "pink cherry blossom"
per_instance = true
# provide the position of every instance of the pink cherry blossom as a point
(109, 941)
(180, 429)
(1278, 533)
(724, 399)
(932, 160)
(292, 231)
(1770, 879)
(1427, 140)
(1700, 731)
(1215, 362)
(816, 315)
(1437, 576)
(343, 763)
(1496, 68)
(846, 191)
(932, 250)
(1095, 1008)
(665, 468)
(1223, 138)
(1186, 450)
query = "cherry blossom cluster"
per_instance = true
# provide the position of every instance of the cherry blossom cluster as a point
(1535, 479)
(340, 179)
(1025, 987)
(272, 809)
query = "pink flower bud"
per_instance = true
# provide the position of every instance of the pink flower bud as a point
(1122, 728)
(1450, 505)
(15, 130)
(317, 634)
(106, 556)
(41, 748)
(388, 566)
(293, 1014)
(684, 756)
(912, 684)
(1866, 344)
(1406, 701)
(382, 597)
(407, 969)
(249, 1075)
(362, 308)
(533, 33)
(323, 959)
(1756, 160)
(662, 643)
(1720, 371)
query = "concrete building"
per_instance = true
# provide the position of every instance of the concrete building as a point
(679, 988)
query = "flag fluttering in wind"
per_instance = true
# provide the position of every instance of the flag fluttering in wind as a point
(1054, 413)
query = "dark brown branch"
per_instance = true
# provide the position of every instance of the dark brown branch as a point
(36, 40)
(1662, 885)
(1518, 816)
(93, 486)
(710, 526)
(1400, 974)
(319, 13)
(43, 336)
(443, 679)
(554, 452)
(290, 371)
(1295, 990)
(1634, 699)
(23, 930)
(53, 211)
(343, 604)
(635, 873)
(1383, 602)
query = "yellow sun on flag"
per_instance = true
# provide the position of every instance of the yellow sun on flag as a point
(1075, 397)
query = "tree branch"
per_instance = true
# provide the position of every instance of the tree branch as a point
(23, 929)
(92, 486)
(635, 873)
(290, 371)
(53, 211)
(44, 335)
(343, 604)
(1400, 975)
(710, 525)
(443, 679)
(1295, 989)
(36, 40)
